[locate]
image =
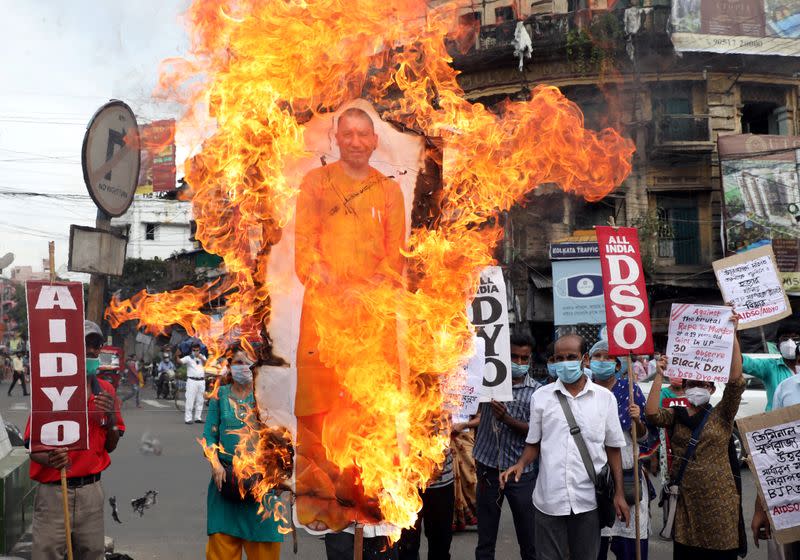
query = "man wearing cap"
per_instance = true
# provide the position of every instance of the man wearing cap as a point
(85, 493)
(773, 371)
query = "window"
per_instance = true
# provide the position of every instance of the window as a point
(504, 14)
(678, 229)
(150, 232)
(470, 20)
(764, 110)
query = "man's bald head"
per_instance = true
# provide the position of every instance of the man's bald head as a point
(569, 347)
(355, 113)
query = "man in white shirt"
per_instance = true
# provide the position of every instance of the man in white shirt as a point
(566, 523)
(195, 384)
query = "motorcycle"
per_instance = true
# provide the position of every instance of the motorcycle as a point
(167, 385)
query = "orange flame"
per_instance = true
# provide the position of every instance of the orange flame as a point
(259, 70)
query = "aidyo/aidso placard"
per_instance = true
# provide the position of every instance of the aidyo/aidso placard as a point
(59, 415)
(625, 292)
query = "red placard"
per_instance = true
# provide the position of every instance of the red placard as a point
(59, 417)
(624, 290)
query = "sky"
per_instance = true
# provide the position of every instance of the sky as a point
(63, 60)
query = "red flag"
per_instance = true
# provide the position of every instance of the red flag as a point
(624, 290)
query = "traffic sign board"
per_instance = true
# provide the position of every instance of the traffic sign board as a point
(111, 157)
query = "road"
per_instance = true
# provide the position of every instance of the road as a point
(174, 528)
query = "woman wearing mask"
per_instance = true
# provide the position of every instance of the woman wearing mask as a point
(234, 524)
(774, 371)
(707, 519)
(621, 538)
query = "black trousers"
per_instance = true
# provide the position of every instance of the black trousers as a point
(19, 376)
(490, 503)
(339, 546)
(683, 552)
(437, 514)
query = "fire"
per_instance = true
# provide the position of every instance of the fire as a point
(259, 71)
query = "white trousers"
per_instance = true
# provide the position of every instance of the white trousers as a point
(194, 399)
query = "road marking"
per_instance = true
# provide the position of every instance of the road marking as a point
(155, 403)
(19, 406)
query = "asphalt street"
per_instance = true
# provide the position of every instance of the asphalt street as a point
(174, 528)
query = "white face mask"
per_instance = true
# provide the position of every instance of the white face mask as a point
(788, 349)
(698, 396)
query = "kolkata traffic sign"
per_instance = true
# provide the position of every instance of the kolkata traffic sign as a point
(111, 157)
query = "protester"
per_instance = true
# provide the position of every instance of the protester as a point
(773, 371)
(19, 374)
(567, 524)
(674, 390)
(621, 538)
(499, 444)
(438, 501)
(640, 368)
(84, 491)
(234, 523)
(708, 523)
(195, 384)
(132, 374)
(462, 442)
(165, 366)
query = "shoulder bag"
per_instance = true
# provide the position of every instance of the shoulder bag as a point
(603, 481)
(671, 490)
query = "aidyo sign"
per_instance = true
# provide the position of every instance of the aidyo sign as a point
(627, 311)
(59, 416)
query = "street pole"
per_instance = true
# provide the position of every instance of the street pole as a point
(635, 445)
(97, 283)
(64, 491)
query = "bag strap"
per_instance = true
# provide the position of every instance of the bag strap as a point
(693, 441)
(575, 430)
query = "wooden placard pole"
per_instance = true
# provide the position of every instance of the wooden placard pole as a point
(64, 489)
(635, 444)
(358, 542)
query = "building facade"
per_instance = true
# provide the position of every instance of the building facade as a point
(156, 227)
(621, 66)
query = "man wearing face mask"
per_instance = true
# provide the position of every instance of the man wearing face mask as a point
(85, 493)
(195, 384)
(773, 371)
(566, 522)
(499, 443)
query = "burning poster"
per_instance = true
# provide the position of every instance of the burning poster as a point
(349, 283)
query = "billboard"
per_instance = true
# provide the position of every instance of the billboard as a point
(762, 198)
(157, 171)
(770, 27)
(578, 292)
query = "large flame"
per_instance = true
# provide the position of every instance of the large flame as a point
(259, 70)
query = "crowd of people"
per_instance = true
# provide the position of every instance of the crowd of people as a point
(544, 451)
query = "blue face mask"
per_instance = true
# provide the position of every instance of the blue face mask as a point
(518, 370)
(569, 372)
(603, 370)
(623, 368)
(551, 370)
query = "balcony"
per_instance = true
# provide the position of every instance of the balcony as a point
(682, 134)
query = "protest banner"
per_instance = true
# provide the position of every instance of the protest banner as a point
(59, 415)
(700, 343)
(465, 389)
(578, 292)
(627, 311)
(772, 440)
(489, 314)
(750, 282)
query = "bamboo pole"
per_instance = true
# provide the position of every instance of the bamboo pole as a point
(358, 542)
(635, 444)
(64, 489)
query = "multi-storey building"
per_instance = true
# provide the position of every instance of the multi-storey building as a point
(673, 92)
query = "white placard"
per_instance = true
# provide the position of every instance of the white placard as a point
(700, 342)
(751, 283)
(465, 387)
(489, 314)
(775, 455)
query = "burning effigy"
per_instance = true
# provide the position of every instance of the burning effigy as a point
(353, 194)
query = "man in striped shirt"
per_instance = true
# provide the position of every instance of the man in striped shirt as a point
(499, 443)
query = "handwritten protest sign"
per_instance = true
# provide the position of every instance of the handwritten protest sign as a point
(750, 281)
(772, 440)
(489, 314)
(464, 389)
(700, 342)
